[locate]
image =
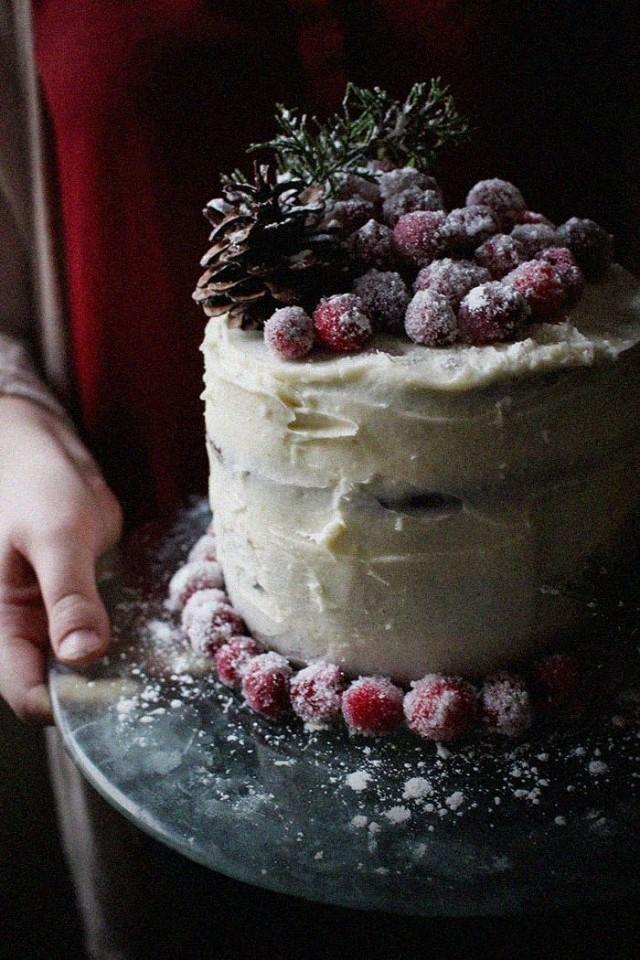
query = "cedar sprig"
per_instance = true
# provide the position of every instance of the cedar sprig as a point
(315, 151)
(370, 125)
(408, 133)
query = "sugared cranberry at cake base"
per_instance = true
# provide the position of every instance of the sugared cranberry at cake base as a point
(435, 707)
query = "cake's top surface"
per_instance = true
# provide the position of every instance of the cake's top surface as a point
(603, 325)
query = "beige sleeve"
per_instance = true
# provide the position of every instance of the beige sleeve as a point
(18, 370)
(18, 376)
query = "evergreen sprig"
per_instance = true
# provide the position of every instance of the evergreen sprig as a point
(370, 125)
(408, 133)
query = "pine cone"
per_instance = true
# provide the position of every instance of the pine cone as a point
(267, 250)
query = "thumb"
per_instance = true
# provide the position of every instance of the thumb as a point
(77, 620)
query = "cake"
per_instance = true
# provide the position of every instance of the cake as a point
(406, 509)
(422, 425)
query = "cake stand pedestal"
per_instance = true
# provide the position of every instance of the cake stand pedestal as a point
(395, 825)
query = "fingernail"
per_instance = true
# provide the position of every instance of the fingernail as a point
(79, 644)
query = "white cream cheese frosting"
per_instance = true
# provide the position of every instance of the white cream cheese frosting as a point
(411, 509)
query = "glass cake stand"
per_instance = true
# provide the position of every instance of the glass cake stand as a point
(397, 825)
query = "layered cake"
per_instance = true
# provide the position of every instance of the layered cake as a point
(422, 424)
(408, 509)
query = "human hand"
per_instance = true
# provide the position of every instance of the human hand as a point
(57, 516)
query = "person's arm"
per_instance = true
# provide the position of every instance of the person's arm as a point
(57, 517)
(56, 512)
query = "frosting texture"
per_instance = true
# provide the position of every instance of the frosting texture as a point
(411, 509)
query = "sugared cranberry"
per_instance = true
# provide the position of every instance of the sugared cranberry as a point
(407, 201)
(571, 276)
(504, 199)
(198, 599)
(213, 624)
(405, 178)
(534, 237)
(385, 297)
(505, 705)
(491, 312)
(500, 255)
(371, 245)
(430, 319)
(540, 286)
(467, 227)
(451, 278)
(530, 216)
(353, 185)
(345, 216)
(559, 687)
(265, 684)
(316, 692)
(341, 323)
(372, 706)
(382, 166)
(289, 333)
(590, 244)
(195, 575)
(233, 658)
(204, 548)
(416, 236)
(440, 708)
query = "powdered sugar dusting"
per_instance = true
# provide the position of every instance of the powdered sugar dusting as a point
(358, 780)
(394, 798)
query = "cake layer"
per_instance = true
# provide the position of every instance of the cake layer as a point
(411, 509)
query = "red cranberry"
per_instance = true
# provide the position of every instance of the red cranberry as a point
(563, 262)
(505, 705)
(204, 548)
(341, 323)
(385, 298)
(530, 216)
(316, 692)
(289, 333)
(233, 658)
(416, 236)
(265, 685)
(371, 245)
(372, 706)
(467, 227)
(405, 178)
(559, 687)
(213, 624)
(590, 244)
(503, 198)
(349, 215)
(490, 312)
(440, 708)
(534, 237)
(193, 576)
(198, 599)
(500, 255)
(352, 186)
(409, 200)
(430, 319)
(540, 287)
(451, 278)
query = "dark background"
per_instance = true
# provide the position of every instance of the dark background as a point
(552, 90)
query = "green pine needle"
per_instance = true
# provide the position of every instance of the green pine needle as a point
(370, 125)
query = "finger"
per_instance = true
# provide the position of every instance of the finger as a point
(77, 620)
(22, 680)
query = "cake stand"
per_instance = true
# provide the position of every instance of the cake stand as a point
(396, 824)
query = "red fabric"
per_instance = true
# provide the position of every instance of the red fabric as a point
(151, 99)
